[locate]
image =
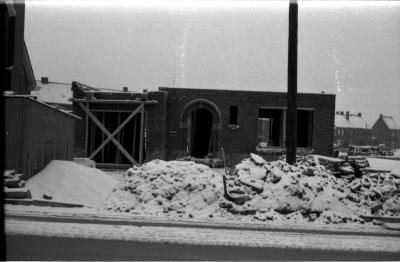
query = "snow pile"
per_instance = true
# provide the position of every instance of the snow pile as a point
(66, 181)
(396, 153)
(309, 192)
(168, 187)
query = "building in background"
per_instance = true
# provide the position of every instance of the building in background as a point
(351, 129)
(386, 131)
(175, 122)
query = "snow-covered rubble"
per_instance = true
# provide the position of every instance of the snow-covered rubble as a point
(306, 191)
(168, 187)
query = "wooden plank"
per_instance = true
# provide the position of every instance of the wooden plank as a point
(86, 131)
(329, 159)
(105, 131)
(116, 131)
(113, 101)
(111, 110)
(134, 137)
(102, 138)
(141, 136)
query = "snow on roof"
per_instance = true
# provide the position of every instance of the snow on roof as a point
(53, 92)
(354, 121)
(391, 124)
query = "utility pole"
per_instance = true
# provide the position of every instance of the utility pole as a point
(291, 120)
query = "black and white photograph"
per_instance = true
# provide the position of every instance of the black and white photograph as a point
(198, 130)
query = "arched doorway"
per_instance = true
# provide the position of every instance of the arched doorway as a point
(200, 125)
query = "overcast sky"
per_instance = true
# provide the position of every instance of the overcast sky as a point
(348, 49)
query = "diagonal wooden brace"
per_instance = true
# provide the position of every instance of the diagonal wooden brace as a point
(109, 135)
(116, 131)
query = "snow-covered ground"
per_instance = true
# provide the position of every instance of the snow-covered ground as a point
(276, 192)
(66, 181)
(205, 236)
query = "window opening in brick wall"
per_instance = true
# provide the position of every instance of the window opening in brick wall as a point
(233, 115)
(272, 127)
(304, 128)
(270, 130)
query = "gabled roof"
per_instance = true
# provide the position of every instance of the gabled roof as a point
(391, 124)
(53, 92)
(354, 121)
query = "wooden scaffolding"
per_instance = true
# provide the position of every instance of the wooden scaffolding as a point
(129, 125)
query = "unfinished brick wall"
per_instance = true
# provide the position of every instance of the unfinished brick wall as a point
(237, 143)
(156, 126)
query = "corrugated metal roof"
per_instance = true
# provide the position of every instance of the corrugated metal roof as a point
(391, 124)
(354, 121)
(53, 92)
(42, 103)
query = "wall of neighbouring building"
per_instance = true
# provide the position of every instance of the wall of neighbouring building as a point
(36, 133)
(239, 142)
(383, 135)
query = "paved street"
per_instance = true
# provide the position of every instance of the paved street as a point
(49, 248)
(37, 236)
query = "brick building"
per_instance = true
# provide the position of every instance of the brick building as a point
(351, 129)
(386, 131)
(198, 122)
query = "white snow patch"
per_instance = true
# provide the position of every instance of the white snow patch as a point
(164, 187)
(70, 182)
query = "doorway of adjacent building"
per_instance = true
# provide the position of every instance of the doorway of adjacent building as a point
(200, 123)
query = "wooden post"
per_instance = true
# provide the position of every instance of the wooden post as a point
(141, 142)
(134, 137)
(87, 131)
(291, 121)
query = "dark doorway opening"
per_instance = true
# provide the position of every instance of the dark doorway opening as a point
(200, 134)
(274, 119)
(304, 128)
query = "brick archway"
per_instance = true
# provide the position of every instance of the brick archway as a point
(186, 126)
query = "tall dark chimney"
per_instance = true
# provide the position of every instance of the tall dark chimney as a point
(44, 80)
(347, 115)
(125, 89)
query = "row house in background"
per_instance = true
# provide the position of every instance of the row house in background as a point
(351, 129)
(386, 131)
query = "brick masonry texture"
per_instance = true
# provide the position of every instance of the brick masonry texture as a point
(242, 141)
(162, 120)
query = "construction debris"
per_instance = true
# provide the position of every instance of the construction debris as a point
(209, 161)
(258, 190)
(14, 185)
(181, 188)
(311, 192)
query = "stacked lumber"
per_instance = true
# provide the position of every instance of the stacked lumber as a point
(14, 185)
(359, 163)
(212, 162)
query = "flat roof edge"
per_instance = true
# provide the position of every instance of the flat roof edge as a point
(44, 104)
